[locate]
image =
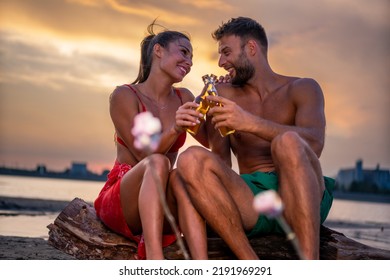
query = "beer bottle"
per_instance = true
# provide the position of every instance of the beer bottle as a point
(202, 108)
(211, 90)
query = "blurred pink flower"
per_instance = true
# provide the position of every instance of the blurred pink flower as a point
(268, 203)
(146, 131)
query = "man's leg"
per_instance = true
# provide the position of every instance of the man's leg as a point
(191, 223)
(221, 197)
(301, 187)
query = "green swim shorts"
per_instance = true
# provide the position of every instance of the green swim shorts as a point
(260, 181)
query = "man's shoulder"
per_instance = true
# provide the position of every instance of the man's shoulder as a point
(227, 88)
(303, 85)
(303, 82)
(305, 89)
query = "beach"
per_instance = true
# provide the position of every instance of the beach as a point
(37, 248)
(29, 248)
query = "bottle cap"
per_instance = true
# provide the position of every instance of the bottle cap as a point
(206, 78)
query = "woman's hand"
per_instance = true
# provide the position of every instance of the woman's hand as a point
(186, 116)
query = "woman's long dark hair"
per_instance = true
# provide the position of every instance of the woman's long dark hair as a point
(163, 39)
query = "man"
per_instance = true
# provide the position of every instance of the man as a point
(280, 130)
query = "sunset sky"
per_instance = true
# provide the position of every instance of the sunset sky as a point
(60, 60)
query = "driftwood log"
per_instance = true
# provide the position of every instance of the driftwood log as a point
(78, 232)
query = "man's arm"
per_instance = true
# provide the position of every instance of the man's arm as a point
(310, 116)
(309, 122)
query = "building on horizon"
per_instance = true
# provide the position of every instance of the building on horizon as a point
(78, 169)
(366, 180)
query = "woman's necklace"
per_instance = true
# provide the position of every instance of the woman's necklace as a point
(155, 103)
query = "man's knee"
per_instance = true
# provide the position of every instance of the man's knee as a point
(190, 158)
(287, 139)
(288, 145)
(191, 161)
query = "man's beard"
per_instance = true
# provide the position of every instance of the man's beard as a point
(244, 71)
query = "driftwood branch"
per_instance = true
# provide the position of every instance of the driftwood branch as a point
(78, 232)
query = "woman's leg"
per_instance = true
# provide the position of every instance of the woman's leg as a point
(141, 204)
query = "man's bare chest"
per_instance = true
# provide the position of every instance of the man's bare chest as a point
(278, 111)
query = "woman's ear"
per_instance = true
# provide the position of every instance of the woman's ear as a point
(157, 50)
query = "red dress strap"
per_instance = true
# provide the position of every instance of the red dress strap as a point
(120, 141)
(135, 92)
(178, 93)
(117, 138)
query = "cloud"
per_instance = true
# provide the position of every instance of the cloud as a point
(344, 46)
(144, 9)
(220, 5)
(45, 62)
(53, 104)
(344, 49)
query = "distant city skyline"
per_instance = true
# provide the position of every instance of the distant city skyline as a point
(100, 171)
(61, 59)
(357, 178)
(49, 168)
(362, 178)
(77, 170)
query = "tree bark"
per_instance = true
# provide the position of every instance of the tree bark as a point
(78, 232)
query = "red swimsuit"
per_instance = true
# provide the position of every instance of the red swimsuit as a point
(108, 203)
(179, 141)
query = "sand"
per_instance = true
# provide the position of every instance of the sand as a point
(29, 248)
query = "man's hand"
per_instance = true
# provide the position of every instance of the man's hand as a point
(224, 79)
(228, 115)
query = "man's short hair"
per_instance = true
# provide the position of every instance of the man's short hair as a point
(245, 28)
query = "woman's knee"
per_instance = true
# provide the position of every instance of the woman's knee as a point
(158, 163)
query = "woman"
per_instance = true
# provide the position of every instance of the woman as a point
(129, 202)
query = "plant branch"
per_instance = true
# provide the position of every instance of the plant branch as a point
(290, 236)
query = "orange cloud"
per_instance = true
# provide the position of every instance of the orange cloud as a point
(152, 12)
(209, 4)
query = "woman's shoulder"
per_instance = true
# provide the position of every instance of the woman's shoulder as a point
(183, 90)
(185, 93)
(123, 92)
